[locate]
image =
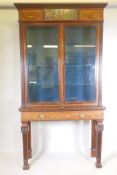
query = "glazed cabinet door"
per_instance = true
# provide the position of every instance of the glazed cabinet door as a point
(80, 63)
(62, 63)
(42, 63)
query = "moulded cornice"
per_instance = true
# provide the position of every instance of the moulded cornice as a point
(10, 4)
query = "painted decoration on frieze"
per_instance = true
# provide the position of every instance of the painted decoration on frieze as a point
(60, 14)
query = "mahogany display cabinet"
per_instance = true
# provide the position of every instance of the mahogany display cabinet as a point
(61, 62)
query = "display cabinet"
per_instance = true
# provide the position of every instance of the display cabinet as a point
(61, 57)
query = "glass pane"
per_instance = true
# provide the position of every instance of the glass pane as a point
(80, 53)
(42, 60)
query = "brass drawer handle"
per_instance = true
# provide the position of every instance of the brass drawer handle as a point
(42, 116)
(30, 17)
(82, 115)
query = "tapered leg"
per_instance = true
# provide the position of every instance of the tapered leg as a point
(25, 130)
(93, 138)
(29, 141)
(99, 129)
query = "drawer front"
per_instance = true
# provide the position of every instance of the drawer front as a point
(31, 15)
(68, 115)
(88, 14)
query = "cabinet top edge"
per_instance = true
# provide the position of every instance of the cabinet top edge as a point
(59, 5)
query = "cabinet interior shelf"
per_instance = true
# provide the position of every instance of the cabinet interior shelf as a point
(56, 46)
(36, 83)
(67, 64)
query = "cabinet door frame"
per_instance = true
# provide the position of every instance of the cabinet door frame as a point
(24, 70)
(97, 64)
(61, 64)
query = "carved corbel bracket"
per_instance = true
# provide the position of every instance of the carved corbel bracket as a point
(99, 127)
(24, 129)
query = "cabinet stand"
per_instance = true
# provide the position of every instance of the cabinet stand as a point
(27, 151)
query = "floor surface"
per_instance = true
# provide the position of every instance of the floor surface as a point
(11, 164)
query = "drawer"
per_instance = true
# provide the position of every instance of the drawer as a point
(67, 115)
(89, 14)
(31, 15)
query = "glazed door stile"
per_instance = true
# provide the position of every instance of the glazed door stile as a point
(99, 40)
(61, 63)
(22, 28)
